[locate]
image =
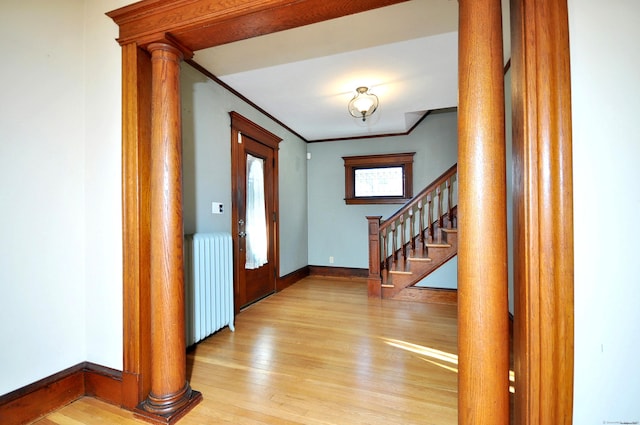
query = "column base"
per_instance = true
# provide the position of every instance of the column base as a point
(168, 410)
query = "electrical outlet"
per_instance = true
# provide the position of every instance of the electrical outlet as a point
(330, 260)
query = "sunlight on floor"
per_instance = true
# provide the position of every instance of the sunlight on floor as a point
(423, 351)
(438, 355)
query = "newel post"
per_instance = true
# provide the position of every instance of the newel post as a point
(374, 281)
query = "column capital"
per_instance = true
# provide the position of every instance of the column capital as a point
(169, 44)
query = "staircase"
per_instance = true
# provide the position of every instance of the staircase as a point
(412, 243)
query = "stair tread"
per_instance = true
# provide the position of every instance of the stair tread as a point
(399, 272)
(447, 230)
(424, 259)
(438, 245)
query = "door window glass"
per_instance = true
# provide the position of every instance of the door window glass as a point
(256, 221)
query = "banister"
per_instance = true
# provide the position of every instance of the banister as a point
(392, 232)
(443, 178)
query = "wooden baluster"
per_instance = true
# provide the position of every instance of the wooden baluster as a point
(384, 254)
(449, 203)
(403, 239)
(394, 241)
(429, 218)
(440, 217)
(421, 222)
(412, 234)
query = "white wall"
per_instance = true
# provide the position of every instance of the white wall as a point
(340, 231)
(605, 66)
(60, 257)
(103, 196)
(42, 254)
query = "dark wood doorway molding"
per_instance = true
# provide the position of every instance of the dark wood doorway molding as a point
(542, 171)
(241, 125)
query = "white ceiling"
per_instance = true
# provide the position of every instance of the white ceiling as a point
(406, 54)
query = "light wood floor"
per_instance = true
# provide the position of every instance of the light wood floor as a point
(319, 352)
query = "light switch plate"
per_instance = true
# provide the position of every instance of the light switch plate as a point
(217, 208)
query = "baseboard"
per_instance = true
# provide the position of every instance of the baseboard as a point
(103, 383)
(28, 403)
(428, 295)
(339, 272)
(291, 278)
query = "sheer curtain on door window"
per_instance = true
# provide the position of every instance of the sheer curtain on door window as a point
(256, 221)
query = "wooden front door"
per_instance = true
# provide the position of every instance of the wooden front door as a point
(254, 212)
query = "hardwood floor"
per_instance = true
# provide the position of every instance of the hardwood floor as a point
(319, 352)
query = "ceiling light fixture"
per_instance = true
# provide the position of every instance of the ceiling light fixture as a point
(363, 104)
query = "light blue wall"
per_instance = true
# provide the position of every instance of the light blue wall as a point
(444, 277)
(340, 231)
(447, 276)
(206, 134)
(509, 155)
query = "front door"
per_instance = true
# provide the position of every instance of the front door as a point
(254, 213)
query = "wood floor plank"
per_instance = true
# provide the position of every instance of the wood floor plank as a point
(320, 352)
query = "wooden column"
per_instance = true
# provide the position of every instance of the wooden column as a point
(543, 219)
(483, 341)
(170, 396)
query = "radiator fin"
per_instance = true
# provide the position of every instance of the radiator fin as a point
(208, 284)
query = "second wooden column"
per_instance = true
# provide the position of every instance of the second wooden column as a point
(483, 342)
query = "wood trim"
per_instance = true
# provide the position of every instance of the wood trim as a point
(352, 163)
(339, 272)
(428, 295)
(242, 125)
(48, 394)
(103, 383)
(287, 280)
(240, 96)
(199, 24)
(374, 279)
(543, 213)
(483, 334)
(195, 65)
(251, 129)
(152, 19)
(375, 136)
(136, 227)
(28, 403)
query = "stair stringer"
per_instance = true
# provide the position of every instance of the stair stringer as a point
(402, 286)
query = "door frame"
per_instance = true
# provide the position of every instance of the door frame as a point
(242, 125)
(542, 137)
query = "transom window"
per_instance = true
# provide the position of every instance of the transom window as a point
(378, 179)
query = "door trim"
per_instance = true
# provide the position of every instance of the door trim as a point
(543, 213)
(242, 125)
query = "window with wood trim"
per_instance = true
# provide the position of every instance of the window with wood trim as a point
(378, 179)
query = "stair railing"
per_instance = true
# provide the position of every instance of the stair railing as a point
(391, 239)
